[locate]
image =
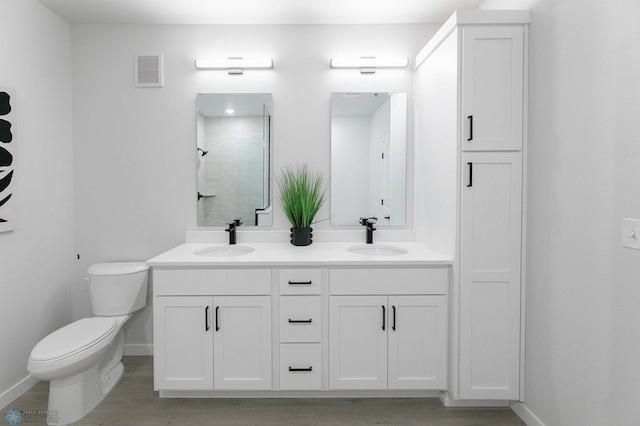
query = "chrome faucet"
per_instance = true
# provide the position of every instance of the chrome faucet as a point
(232, 229)
(368, 222)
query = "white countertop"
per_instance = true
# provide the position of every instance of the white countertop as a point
(286, 254)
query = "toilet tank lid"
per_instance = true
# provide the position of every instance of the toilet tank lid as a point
(117, 268)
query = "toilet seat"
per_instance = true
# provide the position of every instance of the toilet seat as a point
(79, 336)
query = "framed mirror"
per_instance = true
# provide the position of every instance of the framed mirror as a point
(233, 143)
(368, 158)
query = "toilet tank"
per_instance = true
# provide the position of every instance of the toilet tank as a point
(117, 288)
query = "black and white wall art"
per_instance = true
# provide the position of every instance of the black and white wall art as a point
(7, 161)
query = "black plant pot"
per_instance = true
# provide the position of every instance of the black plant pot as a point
(301, 236)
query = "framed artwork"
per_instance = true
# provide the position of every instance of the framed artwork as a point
(7, 198)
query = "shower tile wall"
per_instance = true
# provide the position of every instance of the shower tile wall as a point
(201, 166)
(234, 169)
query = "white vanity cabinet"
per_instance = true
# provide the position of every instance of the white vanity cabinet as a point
(300, 319)
(490, 270)
(183, 342)
(212, 329)
(387, 328)
(316, 321)
(470, 87)
(492, 87)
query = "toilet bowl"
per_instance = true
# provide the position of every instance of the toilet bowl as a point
(83, 359)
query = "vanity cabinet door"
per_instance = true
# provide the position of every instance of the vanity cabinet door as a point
(417, 337)
(242, 342)
(492, 88)
(490, 276)
(183, 342)
(358, 342)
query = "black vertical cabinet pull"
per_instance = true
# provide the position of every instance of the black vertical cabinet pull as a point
(206, 319)
(384, 315)
(470, 184)
(393, 327)
(470, 138)
(217, 321)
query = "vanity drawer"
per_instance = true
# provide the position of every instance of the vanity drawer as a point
(300, 281)
(300, 319)
(221, 282)
(389, 281)
(300, 366)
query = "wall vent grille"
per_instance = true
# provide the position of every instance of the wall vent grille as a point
(149, 71)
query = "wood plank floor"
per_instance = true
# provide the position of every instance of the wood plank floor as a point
(134, 403)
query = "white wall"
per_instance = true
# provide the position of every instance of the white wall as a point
(350, 171)
(583, 288)
(135, 162)
(37, 259)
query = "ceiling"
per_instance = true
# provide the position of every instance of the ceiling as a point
(257, 11)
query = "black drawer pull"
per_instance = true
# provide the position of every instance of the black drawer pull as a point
(470, 118)
(300, 282)
(470, 184)
(217, 319)
(384, 316)
(291, 321)
(300, 369)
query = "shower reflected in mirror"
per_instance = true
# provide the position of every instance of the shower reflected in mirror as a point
(233, 161)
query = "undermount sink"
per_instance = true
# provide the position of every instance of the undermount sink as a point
(371, 250)
(224, 251)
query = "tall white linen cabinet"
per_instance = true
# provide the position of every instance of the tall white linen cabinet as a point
(470, 164)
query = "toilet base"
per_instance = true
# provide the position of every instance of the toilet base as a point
(73, 397)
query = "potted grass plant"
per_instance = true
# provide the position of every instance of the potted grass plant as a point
(301, 193)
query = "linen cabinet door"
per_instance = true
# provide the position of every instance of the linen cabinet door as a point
(182, 342)
(242, 342)
(490, 275)
(358, 342)
(417, 342)
(492, 88)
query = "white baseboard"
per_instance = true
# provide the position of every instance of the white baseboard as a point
(16, 390)
(526, 415)
(447, 401)
(135, 349)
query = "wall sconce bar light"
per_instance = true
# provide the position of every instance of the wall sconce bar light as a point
(369, 64)
(234, 65)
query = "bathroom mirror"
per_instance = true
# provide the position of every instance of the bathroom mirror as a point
(368, 158)
(233, 142)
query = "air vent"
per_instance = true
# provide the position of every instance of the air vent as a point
(149, 71)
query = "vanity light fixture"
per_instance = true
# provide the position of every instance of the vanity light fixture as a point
(369, 64)
(234, 65)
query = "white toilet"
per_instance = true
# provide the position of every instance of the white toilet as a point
(83, 359)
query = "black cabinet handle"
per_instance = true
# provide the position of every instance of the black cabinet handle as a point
(206, 319)
(384, 315)
(393, 327)
(217, 322)
(300, 282)
(301, 369)
(470, 138)
(291, 321)
(470, 184)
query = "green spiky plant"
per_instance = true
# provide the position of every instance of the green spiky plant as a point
(302, 193)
